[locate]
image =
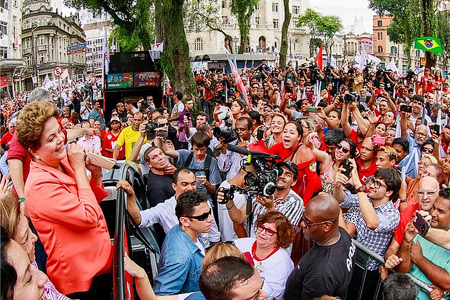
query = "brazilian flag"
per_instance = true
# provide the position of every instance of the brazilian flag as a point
(430, 44)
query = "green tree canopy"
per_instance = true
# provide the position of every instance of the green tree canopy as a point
(243, 10)
(320, 27)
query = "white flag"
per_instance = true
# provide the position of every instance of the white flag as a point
(392, 66)
(374, 59)
(333, 62)
(65, 74)
(106, 52)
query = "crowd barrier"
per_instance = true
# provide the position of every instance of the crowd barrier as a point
(364, 255)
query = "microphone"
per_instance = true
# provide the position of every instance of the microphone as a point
(240, 150)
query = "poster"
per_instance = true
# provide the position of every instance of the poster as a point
(147, 79)
(120, 80)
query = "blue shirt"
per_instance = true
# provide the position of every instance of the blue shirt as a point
(376, 240)
(436, 255)
(94, 114)
(180, 264)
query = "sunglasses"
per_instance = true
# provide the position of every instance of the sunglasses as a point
(163, 125)
(114, 115)
(268, 231)
(200, 218)
(428, 150)
(340, 147)
(219, 243)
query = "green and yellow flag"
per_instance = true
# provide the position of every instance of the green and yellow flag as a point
(428, 43)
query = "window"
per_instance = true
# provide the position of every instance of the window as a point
(224, 20)
(3, 52)
(394, 50)
(41, 40)
(381, 34)
(275, 7)
(380, 49)
(257, 6)
(4, 4)
(257, 20)
(3, 29)
(417, 53)
(224, 4)
(27, 43)
(380, 23)
(296, 10)
(198, 44)
(275, 23)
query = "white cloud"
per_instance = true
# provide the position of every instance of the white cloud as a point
(347, 10)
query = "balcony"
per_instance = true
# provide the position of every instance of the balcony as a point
(41, 48)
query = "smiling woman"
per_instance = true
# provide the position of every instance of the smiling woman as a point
(266, 254)
(63, 204)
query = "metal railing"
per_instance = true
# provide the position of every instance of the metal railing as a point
(118, 268)
(364, 256)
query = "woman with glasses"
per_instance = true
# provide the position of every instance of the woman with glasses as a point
(266, 254)
(329, 165)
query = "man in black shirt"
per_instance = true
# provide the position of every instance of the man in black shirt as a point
(159, 185)
(327, 268)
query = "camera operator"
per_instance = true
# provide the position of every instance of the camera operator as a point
(284, 200)
(230, 162)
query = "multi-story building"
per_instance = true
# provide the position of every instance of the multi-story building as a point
(386, 50)
(265, 31)
(94, 27)
(47, 37)
(10, 45)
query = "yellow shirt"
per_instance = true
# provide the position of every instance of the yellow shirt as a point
(129, 137)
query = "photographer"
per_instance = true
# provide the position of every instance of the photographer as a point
(228, 161)
(284, 200)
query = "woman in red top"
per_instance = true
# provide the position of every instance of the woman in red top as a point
(292, 149)
(63, 204)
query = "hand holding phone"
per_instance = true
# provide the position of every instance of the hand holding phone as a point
(421, 224)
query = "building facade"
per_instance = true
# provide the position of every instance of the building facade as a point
(94, 27)
(387, 50)
(265, 32)
(11, 62)
(46, 37)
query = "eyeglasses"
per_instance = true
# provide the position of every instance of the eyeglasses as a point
(340, 147)
(308, 223)
(427, 150)
(371, 181)
(219, 243)
(163, 125)
(200, 218)
(268, 231)
(422, 194)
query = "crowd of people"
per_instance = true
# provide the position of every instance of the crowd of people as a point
(358, 155)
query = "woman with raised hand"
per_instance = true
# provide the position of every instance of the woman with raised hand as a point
(63, 204)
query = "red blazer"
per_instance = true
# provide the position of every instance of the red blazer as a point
(71, 226)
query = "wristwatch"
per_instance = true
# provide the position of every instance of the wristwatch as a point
(361, 189)
(446, 294)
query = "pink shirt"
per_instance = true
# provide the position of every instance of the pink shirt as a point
(71, 226)
(93, 143)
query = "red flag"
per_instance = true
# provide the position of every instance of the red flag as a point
(319, 60)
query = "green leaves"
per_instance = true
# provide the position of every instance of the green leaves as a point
(243, 10)
(321, 28)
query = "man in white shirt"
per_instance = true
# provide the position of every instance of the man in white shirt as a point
(164, 213)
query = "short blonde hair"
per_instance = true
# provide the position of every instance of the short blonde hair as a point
(10, 214)
(31, 120)
(430, 157)
(220, 250)
(276, 114)
(392, 154)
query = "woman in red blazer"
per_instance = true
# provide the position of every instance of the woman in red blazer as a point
(63, 204)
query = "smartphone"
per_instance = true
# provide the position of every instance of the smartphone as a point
(312, 109)
(379, 140)
(406, 108)
(260, 133)
(421, 224)
(347, 165)
(317, 143)
(436, 128)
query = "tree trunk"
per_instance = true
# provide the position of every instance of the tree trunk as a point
(158, 22)
(427, 18)
(284, 34)
(175, 58)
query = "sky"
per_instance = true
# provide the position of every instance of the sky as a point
(347, 10)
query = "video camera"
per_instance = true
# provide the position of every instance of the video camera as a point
(260, 182)
(227, 132)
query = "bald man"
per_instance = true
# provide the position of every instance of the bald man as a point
(327, 268)
(426, 195)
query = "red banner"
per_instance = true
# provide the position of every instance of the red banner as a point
(3, 81)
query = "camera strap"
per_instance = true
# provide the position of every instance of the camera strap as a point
(206, 164)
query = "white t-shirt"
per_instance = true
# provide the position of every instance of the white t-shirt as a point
(225, 223)
(275, 269)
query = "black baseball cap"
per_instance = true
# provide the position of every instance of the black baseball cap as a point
(290, 165)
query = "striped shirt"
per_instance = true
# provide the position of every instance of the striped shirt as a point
(291, 206)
